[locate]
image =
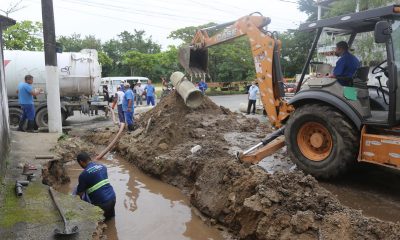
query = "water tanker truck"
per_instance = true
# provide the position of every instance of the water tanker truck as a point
(79, 75)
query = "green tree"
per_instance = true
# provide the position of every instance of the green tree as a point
(340, 7)
(155, 65)
(141, 64)
(106, 63)
(186, 34)
(75, 42)
(231, 61)
(309, 7)
(25, 35)
(295, 47)
(126, 42)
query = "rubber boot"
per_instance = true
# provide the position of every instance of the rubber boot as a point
(130, 128)
(31, 126)
(21, 126)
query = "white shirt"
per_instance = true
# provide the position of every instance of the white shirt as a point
(120, 97)
(253, 90)
(139, 90)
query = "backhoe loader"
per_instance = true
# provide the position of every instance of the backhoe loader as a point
(327, 127)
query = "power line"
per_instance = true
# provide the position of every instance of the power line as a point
(130, 10)
(276, 27)
(150, 12)
(105, 16)
(146, 4)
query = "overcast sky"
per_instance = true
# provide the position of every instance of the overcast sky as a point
(105, 19)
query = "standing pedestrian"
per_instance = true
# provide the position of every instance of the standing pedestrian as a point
(139, 93)
(128, 106)
(25, 98)
(253, 91)
(150, 93)
(203, 86)
(94, 182)
(118, 98)
(106, 94)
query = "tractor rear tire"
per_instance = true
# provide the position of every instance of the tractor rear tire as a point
(321, 140)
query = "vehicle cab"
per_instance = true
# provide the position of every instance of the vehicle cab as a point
(373, 96)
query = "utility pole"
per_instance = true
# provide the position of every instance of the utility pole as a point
(52, 80)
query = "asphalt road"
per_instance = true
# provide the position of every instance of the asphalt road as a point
(230, 101)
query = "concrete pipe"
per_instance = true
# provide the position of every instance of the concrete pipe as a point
(190, 94)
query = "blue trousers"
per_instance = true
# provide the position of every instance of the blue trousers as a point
(121, 114)
(150, 99)
(28, 112)
(128, 117)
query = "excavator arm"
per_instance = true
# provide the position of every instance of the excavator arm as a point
(265, 50)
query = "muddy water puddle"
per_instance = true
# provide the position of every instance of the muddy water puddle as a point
(147, 208)
(372, 189)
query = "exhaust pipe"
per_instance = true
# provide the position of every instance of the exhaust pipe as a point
(191, 96)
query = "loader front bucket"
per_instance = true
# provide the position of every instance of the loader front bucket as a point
(194, 61)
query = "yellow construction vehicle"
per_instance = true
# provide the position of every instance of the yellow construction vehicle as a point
(327, 127)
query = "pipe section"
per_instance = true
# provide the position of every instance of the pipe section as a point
(192, 96)
(113, 142)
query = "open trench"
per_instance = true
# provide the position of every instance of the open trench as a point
(147, 208)
(250, 202)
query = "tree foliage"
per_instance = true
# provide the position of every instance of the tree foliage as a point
(347, 6)
(308, 7)
(186, 34)
(154, 66)
(25, 35)
(75, 42)
(126, 42)
(232, 61)
(295, 47)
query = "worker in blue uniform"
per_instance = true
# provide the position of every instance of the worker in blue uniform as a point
(203, 86)
(346, 65)
(128, 106)
(95, 183)
(26, 93)
(150, 93)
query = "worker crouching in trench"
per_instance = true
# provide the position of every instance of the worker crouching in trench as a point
(94, 186)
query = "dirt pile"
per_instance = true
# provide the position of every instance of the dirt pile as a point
(54, 172)
(248, 200)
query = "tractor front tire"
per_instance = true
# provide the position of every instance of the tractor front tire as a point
(321, 140)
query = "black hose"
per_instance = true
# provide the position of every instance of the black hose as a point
(271, 137)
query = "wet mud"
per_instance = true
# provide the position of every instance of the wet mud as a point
(147, 208)
(251, 202)
(372, 189)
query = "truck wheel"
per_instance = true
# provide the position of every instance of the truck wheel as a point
(15, 116)
(321, 140)
(42, 118)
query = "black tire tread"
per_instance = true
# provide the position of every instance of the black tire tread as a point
(348, 132)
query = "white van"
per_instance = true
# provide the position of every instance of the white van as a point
(113, 82)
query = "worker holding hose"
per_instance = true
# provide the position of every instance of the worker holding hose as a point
(118, 98)
(94, 182)
(128, 106)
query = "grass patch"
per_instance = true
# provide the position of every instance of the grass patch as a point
(15, 209)
(63, 136)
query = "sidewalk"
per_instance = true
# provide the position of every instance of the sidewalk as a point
(33, 215)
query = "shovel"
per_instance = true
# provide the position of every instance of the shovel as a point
(68, 230)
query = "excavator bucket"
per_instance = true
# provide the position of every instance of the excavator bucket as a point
(194, 61)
